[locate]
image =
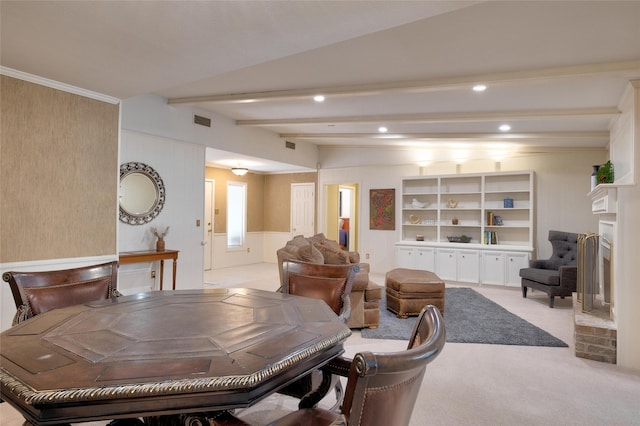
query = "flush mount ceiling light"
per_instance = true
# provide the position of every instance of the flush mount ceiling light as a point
(382, 129)
(239, 171)
(479, 88)
(505, 128)
(318, 98)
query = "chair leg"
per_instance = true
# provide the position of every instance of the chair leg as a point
(551, 301)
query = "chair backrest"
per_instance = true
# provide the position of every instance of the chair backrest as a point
(331, 283)
(382, 388)
(565, 249)
(39, 292)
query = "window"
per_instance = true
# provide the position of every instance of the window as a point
(236, 214)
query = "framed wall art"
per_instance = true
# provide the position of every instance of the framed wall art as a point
(382, 206)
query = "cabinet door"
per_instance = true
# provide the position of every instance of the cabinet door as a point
(493, 269)
(405, 257)
(515, 262)
(425, 259)
(468, 266)
(446, 264)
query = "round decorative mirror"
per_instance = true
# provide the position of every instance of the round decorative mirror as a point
(141, 193)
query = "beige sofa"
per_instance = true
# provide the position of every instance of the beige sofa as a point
(365, 295)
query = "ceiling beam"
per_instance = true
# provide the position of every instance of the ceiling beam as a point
(435, 84)
(450, 117)
(449, 136)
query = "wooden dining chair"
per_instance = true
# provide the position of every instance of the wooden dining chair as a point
(37, 292)
(382, 388)
(328, 282)
(331, 283)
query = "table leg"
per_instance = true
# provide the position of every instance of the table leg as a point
(175, 269)
(161, 273)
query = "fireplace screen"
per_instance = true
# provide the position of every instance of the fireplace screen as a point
(594, 275)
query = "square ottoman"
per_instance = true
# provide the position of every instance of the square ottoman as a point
(410, 290)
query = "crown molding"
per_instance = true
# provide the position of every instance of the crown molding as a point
(20, 75)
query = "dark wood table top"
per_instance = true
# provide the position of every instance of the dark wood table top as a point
(164, 352)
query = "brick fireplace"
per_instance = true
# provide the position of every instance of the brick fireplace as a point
(595, 328)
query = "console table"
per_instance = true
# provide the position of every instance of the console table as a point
(151, 256)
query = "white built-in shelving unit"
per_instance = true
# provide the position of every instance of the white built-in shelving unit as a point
(495, 210)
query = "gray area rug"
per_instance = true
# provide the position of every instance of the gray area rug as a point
(469, 317)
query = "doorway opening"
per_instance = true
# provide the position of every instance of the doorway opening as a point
(341, 215)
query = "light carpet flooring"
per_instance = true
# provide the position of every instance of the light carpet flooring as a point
(478, 384)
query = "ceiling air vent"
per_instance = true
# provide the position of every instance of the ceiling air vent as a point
(203, 121)
(290, 145)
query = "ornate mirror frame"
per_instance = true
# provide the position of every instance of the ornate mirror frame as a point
(157, 200)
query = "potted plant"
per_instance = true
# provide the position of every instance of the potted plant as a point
(605, 173)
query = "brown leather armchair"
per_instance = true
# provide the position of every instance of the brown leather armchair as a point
(382, 387)
(38, 292)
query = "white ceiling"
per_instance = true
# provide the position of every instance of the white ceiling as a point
(555, 71)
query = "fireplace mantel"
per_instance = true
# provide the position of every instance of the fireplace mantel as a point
(604, 198)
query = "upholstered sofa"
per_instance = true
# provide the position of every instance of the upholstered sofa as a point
(365, 295)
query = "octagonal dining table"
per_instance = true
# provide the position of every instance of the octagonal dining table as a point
(160, 355)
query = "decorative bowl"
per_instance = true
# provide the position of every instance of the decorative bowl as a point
(460, 239)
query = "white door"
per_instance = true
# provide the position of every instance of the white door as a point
(303, 200)
(207, 239)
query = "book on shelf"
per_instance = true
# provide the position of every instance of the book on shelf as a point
(493, 220)
(490, 237)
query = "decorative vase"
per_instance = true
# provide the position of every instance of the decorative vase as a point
(454, 220)
(594, 176)
(160, 244)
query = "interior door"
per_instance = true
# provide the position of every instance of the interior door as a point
(207, 239)
(303, 208)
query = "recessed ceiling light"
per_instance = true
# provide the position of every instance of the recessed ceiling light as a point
(382, 129)
(505, 128)
(318, 98)
(479, 88)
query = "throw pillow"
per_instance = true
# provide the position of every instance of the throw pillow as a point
(333, 256)
(310, 254)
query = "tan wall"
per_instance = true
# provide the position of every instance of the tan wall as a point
(268, 198)
(277, 202)
(58, 174)
(255, 196)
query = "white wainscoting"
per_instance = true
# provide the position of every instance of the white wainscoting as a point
(274, 241)
(136, 277)
(6, 298)
(251, 253)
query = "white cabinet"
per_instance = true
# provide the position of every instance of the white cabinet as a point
(446, 264)
(503, 268)
(468, 266)
(493, 271)
(515, 262)
(458, 265)
(416, 258)
(465, 265)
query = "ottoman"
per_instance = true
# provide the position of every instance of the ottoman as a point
(410, 290)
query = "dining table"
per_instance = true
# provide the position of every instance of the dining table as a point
(164, 357)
